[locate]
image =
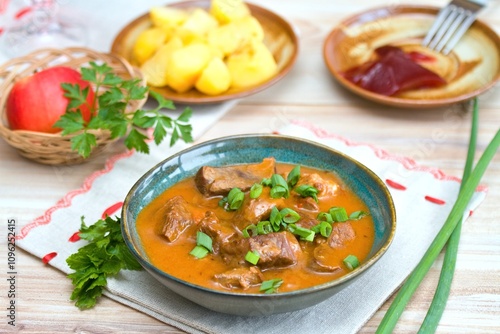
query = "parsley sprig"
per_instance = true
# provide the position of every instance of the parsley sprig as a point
(113, 94)
(104, 256)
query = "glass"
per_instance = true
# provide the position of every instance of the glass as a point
(40, 24)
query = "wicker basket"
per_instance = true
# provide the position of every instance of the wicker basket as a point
(55, 149)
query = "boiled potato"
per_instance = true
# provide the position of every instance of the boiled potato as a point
(215, 78)
(197, 26)
(231, 37)
(252, 66)
(155, 68)
(228, 10)
(209, 50)
(148, 42)
(226, 38)
(250, 28)
(167, 17)
(186, 64)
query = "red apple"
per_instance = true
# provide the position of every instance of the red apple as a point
(37, 102)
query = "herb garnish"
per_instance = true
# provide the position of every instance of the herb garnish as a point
(271, 286)
(233, 200)
(203, 245)
(109, 113)
(104, 256)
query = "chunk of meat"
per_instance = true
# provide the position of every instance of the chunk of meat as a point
(255, 210)
(324, 259)
(276, 250)
(242, 277)
(233, 252)
(306, 204)
(220, 233)
(325, 255)
(325, 187)
(177, 218)
(306, 221)
(213, 181)
(341, 234)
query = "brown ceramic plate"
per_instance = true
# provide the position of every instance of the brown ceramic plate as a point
(469, 70)
(280, 38)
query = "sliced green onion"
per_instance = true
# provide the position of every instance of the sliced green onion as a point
(278, 192)
(279, 187)
(199, 252)
(315, 228)
(289, 216)
(357, 215)
(266, 182)
(275, 219)
(223, 202)
(293, 176)
(324, 216)
(325, 229)
(204, 240)
(256, 190)
(304, 233)
(264, 227)
(249, 231)
(278, 180)
(270, 286)
(252, 257)
(351, 262)
(235, 198)
(306, 190)
(338, 214)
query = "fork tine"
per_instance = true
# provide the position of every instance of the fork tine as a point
(452, 29)
(444, 27)
(459, 33)
(451, 23)
(443, 13)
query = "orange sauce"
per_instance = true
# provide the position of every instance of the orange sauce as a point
(174, 258)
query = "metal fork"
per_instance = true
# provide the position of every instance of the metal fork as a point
(451, 23)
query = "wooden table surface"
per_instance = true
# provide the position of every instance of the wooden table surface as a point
(435, 137)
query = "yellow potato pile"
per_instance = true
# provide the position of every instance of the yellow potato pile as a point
(211, 51)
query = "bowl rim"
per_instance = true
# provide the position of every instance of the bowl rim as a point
(364, 266)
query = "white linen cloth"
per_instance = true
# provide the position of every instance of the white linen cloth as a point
(423, 198)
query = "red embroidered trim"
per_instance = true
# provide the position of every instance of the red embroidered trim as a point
(435, 200)
(112, 209)
(68, 198)
(408, 163)
(75, 237)
(395, 185)
(22, 12)
(3, 6)
(46, 259)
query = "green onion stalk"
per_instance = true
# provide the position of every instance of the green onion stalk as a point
(469, 184)
(442, 293)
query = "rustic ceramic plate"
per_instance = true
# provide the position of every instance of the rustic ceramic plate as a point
(470, 69)
(280, 38)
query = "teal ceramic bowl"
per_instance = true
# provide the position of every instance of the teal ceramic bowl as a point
(251, 149)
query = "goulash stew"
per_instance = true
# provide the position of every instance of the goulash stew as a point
(257, 228)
